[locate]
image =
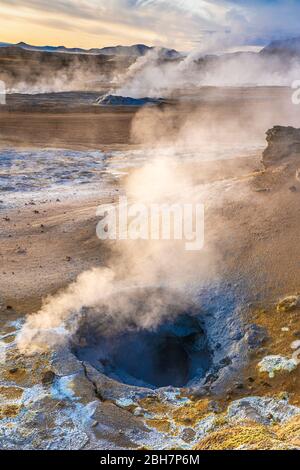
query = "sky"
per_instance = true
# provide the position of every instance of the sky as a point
(207, 25)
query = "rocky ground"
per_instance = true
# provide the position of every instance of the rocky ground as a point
(56, 401)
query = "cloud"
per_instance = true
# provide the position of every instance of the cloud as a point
(183, 24)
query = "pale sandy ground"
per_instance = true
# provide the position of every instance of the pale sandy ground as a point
(35, 247)
(41, 252)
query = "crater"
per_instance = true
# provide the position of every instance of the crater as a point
(154, 339)
(172, 354)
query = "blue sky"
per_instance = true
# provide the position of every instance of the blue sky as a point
(182, 24)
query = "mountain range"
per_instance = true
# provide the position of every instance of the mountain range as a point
(38, 69)
(290, 47)
(137, 50)
(286, 47)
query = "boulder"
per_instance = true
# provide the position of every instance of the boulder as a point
(273, 364)
(283, 146)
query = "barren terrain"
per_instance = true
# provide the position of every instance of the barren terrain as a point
(48, 240)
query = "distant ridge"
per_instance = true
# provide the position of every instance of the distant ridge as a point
(114, 100)
(287, 47)
(136, 50)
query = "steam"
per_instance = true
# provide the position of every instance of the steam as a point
(73, 79)
(108, 294)
(50, 326)
(61, 72)
(155, 76)
(151, 77)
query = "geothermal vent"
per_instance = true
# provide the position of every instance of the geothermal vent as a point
(152, 349)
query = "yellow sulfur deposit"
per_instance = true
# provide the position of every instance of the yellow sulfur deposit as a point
(241, 436)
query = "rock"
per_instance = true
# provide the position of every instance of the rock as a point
(239, 386)
(48, 377)
(225, 362)
(295, 344)
(262, 410)
(256, 336)
(205, 426)
(114, 100)
(139, 411)
(188, 435)
(21, 251)
(283, 145)
(283, 396)
(211, 378)
(262, 190)
(288, 304)
(273, 364)
(214, 406)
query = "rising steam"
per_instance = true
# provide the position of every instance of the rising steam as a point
(151, 77)
(136, 264)
(166, 177)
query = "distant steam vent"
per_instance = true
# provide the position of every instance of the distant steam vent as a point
(114, 100)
